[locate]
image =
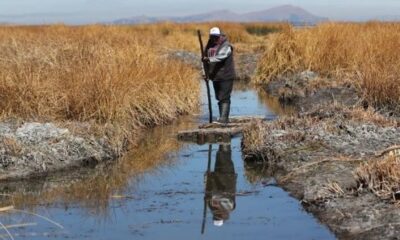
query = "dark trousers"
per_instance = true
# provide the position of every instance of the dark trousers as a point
(223, 90)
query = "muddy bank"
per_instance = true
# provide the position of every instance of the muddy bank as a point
(315, 155)
(307, 89)
(36, 149)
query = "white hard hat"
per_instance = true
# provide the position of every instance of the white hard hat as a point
(218, 223)
(215, 31)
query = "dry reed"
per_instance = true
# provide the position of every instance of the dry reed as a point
(367, 54)
(381, 176)
(111, 76)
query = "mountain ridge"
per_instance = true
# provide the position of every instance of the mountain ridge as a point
(288, 13)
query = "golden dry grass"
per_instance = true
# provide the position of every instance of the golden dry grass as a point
(118, 78)
(112, 76)
(366, 54)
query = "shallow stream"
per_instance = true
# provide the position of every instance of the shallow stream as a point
(166, 190)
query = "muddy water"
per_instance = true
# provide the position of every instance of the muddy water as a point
(166, 190)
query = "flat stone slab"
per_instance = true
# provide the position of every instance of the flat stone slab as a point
(216, 132)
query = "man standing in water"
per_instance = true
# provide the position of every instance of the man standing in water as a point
(221, 70)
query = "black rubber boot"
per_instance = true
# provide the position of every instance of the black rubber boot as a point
(224, 117)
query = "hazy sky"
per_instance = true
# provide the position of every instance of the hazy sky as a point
(86, 11)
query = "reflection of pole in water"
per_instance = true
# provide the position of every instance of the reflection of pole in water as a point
(203, 226)
(220, 192)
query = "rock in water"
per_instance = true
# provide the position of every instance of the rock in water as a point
(217, 132)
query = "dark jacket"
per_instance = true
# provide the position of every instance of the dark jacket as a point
(221, 66)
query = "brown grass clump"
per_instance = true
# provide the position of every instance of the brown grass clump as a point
(366, 54)
(112, 76)
(254, 138)
(263, 29)
(382, 177)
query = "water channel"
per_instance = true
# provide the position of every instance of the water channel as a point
(159, 190)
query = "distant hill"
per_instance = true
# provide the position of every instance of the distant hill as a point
(222, 15)
(283, 13)
(137, 20)
(390, 18)
(289, 13)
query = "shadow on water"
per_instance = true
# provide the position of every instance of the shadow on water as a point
(165, 189)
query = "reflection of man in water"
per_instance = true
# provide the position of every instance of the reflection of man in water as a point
(221, 186)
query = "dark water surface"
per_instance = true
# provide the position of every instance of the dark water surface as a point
(159, 192)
